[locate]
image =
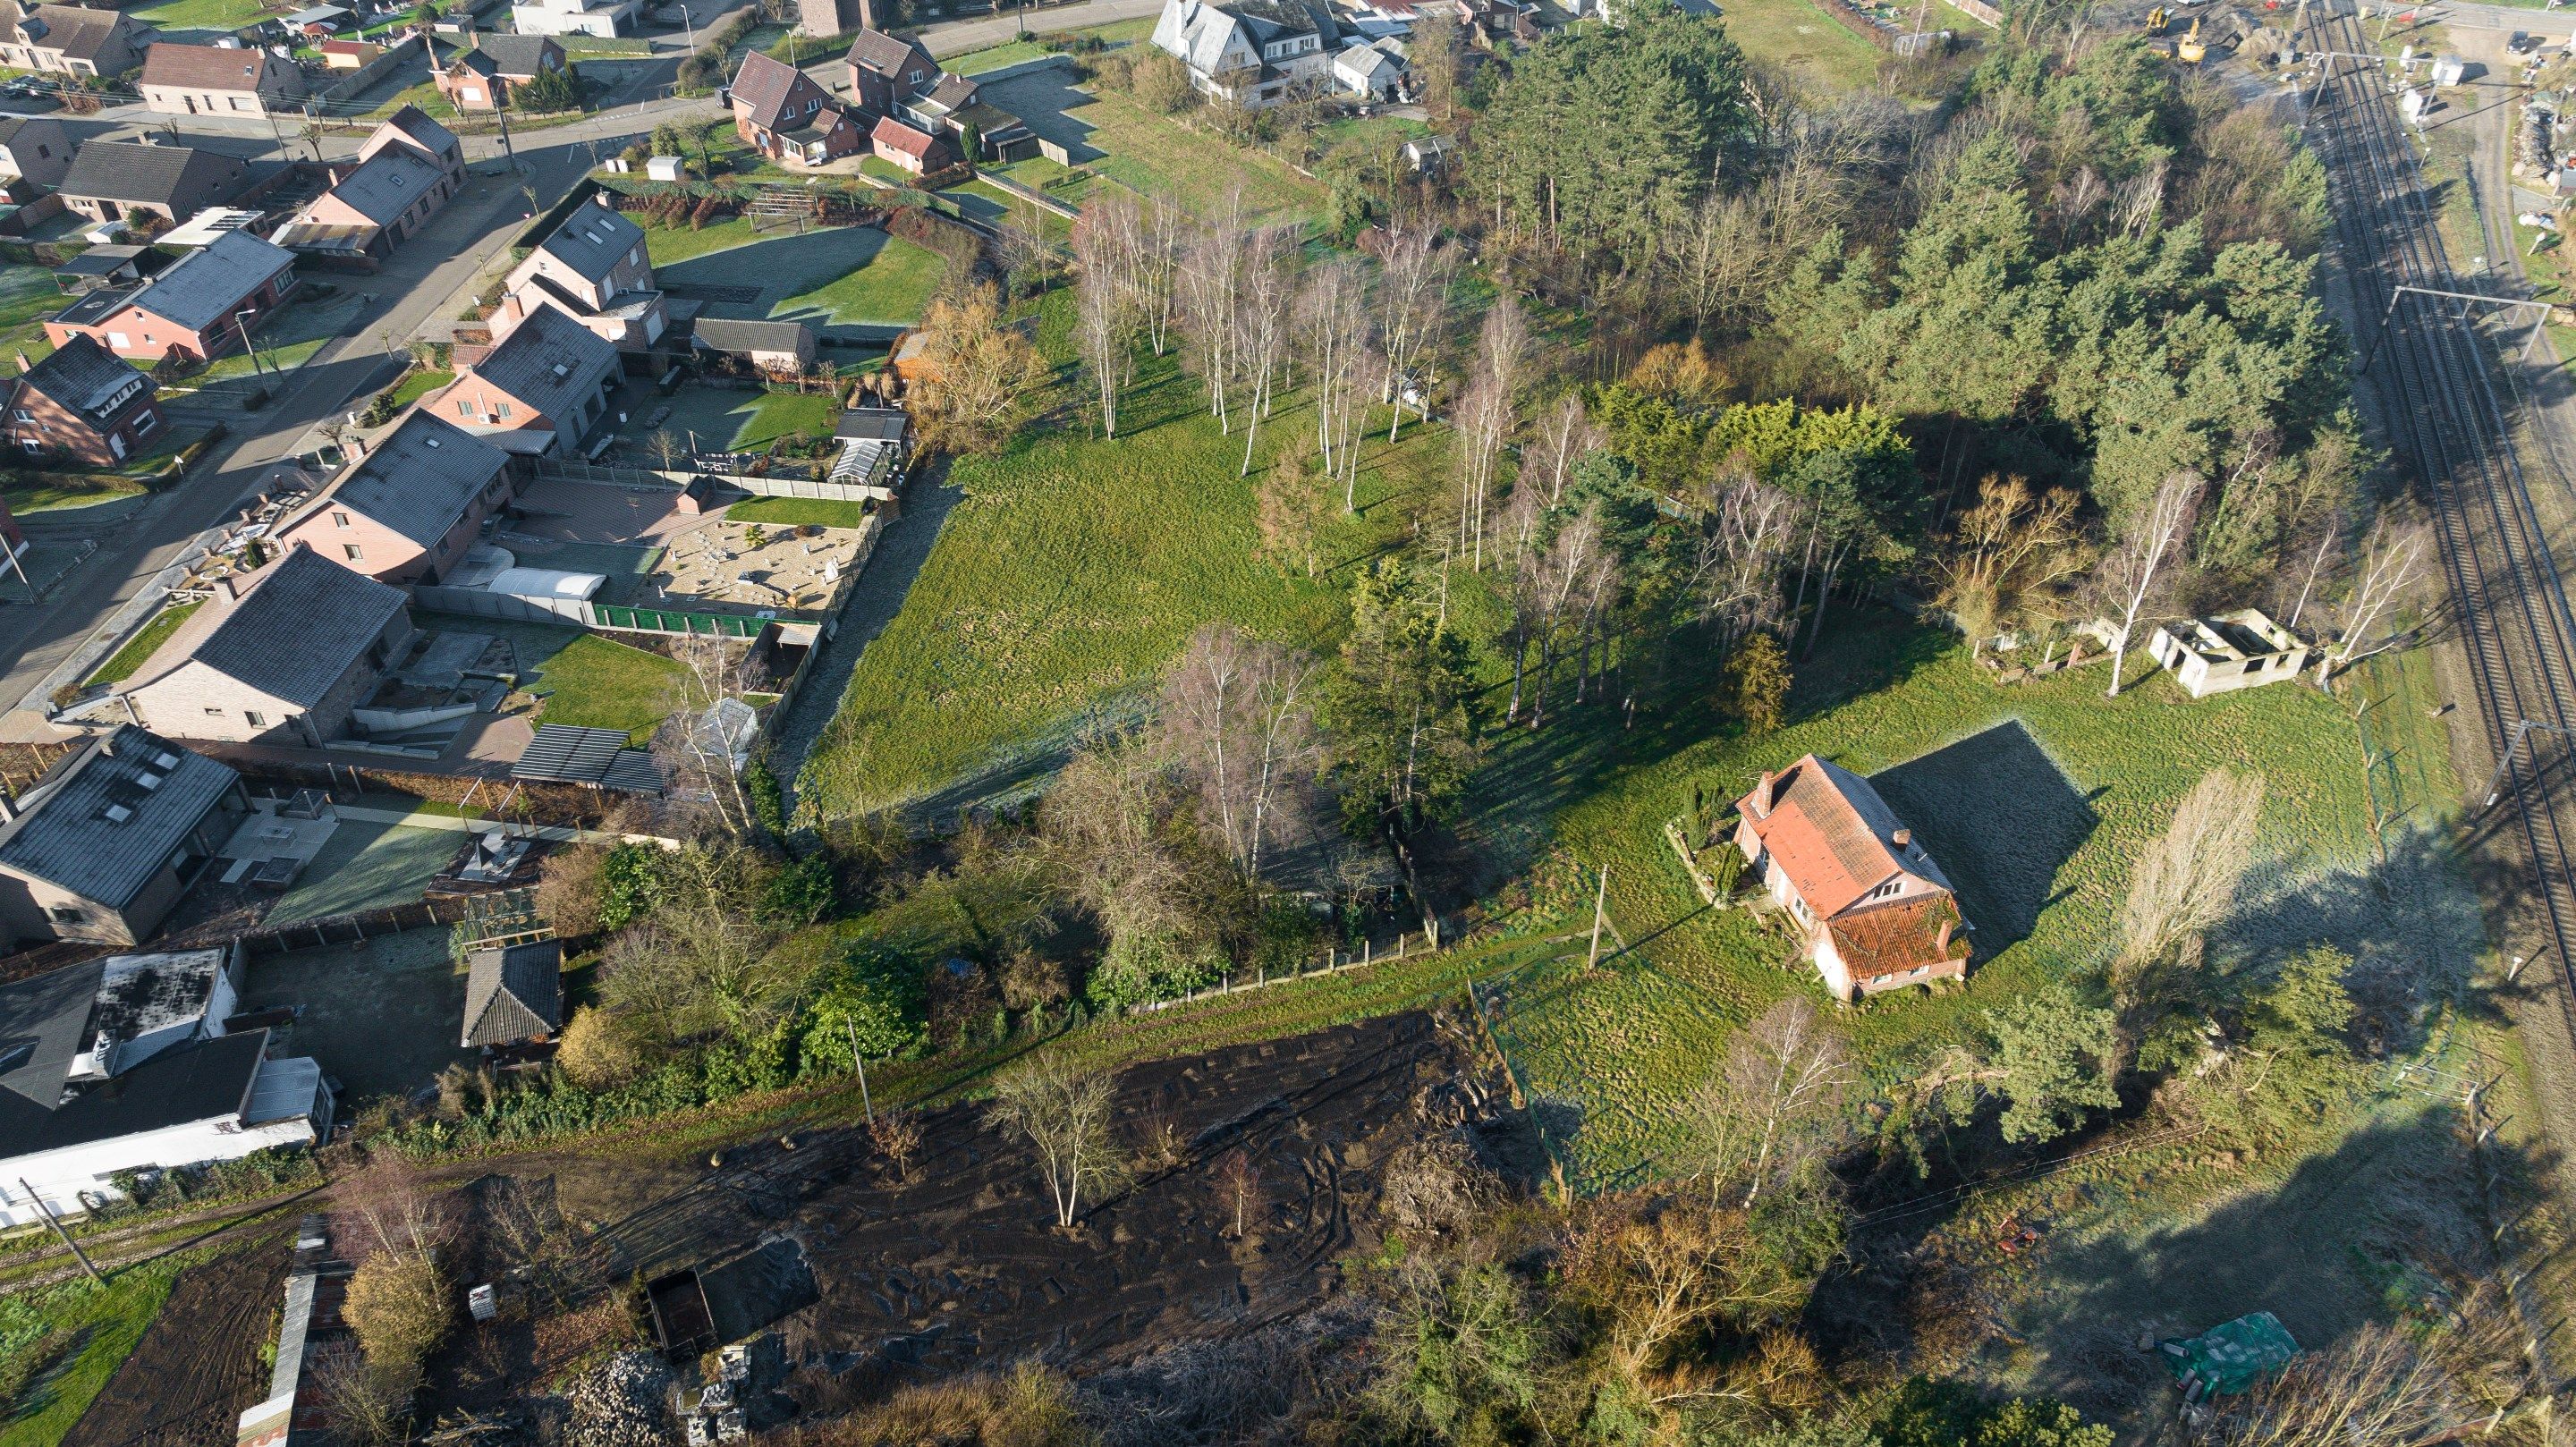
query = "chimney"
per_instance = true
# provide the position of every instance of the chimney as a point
(229, 586)
(1941, 942)
(867, 15)
(1762, 794)
(1904, 838)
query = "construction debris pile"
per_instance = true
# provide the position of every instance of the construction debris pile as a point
(620, 1404)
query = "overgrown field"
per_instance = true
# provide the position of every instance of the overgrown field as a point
(2034, 798)
(1073, 571)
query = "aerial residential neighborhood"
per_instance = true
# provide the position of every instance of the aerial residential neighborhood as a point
(1226, 723)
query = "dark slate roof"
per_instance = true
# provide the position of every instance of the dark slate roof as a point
(206, 67)
(887, 56)
(766, 84)
(69, 836)
(292, 634)
(513, 994)
(387, 185)
(99, 260)
(206, 286)
(414, 122)
(86, 377)
(955, 92)
(592, 241)
(44, 1020)
(727, 335)
(883, 424)
(207, 1080)
(77, 31)
(420, 477)
(550, 362)
(135, 171)
(519, 56)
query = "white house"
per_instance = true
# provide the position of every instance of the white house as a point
(603, 18)
(1372, 71)
(1252, 53)
(124, 1064)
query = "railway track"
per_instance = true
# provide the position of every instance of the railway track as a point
(2448, 410)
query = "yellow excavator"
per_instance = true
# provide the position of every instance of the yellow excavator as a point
(2157, 19)
(2192, 50)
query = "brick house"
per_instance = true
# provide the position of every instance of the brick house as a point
(885, 72)
(279, 659)
(787, 117)
(73, 40)
(110, 837)
(197, 309)
(214, 80)
(540, 389)
(480, 77)
(135, 180)
(408, 510)
(84, 403)
(594, 267)
(1877, 913)
(371, 208)
(913, 150)
(36, 148)
(411, 129)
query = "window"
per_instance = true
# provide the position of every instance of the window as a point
(214, 713)
(30, 445)
(464, 407)
(237, 104)
(352, 551)
(68, 914)
(339, 519)
(144, 424)
(253, 719)
(25, 416)
(501, 410)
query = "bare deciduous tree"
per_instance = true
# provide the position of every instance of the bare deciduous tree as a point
(1487, 417)
(2009, 548)
(2185, 883)
(896, 1133)
(2132, 570)
(1104, 326)
(1210, 281)
(1238, 1181)
(1103, 826)
(1334, 330)
(2391, 564)
(1770, 1106)
(700, 961)
(1743, 557)
(697, 744)
(1413, 300)
(1236, 716)
(1062, 1110)
(1262, 323)
(2395, 1385)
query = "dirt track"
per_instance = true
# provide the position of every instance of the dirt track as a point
(197, 1366)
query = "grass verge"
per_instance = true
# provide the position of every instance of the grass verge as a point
(138, 650)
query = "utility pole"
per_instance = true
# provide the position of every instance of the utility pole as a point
(503, 111)
(1600, 911)
(313, 130)
(864, 1103)
(48, 1213)
(241, 320)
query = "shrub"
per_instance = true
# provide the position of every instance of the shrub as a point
(595, 1053)
(1161, 84)
(399, 1309)
(571, 889)
(1140, 971)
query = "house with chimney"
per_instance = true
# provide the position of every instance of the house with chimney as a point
(407, 170)
(1251, 53)
(219, 80)
(147, 178)
(107, 840)
(540, 389)
(72, 40)
(202, 306)
(82, 403)
(280, 657)
(785, 115)
(408, 509)
(886, 71)
(594, 268)
(481, 76)
(1874, 911)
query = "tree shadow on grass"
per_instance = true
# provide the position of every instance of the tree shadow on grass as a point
(2000, 819)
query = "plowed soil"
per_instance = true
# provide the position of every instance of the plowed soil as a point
(197, 1365)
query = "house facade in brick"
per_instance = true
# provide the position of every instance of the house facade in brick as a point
(886, 71)
(279, 658)
(595, 268)
(910, 148)
(1876, 913)
(199, 308)
(407, 511)
(216, 80)
(83, 403)
(107, 840)
(540, 389)
(133, 180)
(480, 77)
(72, 40)
(787, 117)
(371, 208)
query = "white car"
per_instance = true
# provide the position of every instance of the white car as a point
(2541, 219)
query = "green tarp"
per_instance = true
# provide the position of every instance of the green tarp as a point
(2232, 1356)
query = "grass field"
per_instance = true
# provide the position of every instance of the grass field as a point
(1071, 572)
(1796, 36)
(424, 95)
(56, 493)
(990, 204)
(202, 14)
(843, 276)
(1011, 52)
(798, 512)
(2034, 798)
(668, 244)
(1158, 155)
(138, 650)
(782, 414)
(420, 383)
(891, 287)
(108, 1317)
(600, 684)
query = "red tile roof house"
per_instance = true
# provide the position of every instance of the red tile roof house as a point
(479, 78)
(1878, 913)
(787, 117)
(197, 310)
(218, 80)
(401, 179)
(885, 72)
(916, 151)
(83, 404)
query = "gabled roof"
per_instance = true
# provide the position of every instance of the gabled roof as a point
(550, 362)
(103, 823)
(519, 57)
(386, 185)
(895, 135)
(413, 124)
(418, 479)
(592, 241)
(207, 286)
(207, 1080)
(514, 993)
(1897, 937)
(1834, 835)
(953, 92)
(87, 378)
(299, 627)
(136, 171)
(474, 61)
(725, 335)
(209, 67)
(887, 56)
(766, 85)
(77, 31)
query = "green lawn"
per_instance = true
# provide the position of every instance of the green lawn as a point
(420, 383)
(202, 14)
(884, 170)
(107, 1319)
(892, 288)
(289, 340)
(598, 683)
(1012, 52)
(1796, 36)
(1070, 574)
(1157, 155)
(667, 244)
(783, 414)
(996, 207)
(2034, 798)
(62, 492)
(138, 650)
(424, 95)
(799, 512)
